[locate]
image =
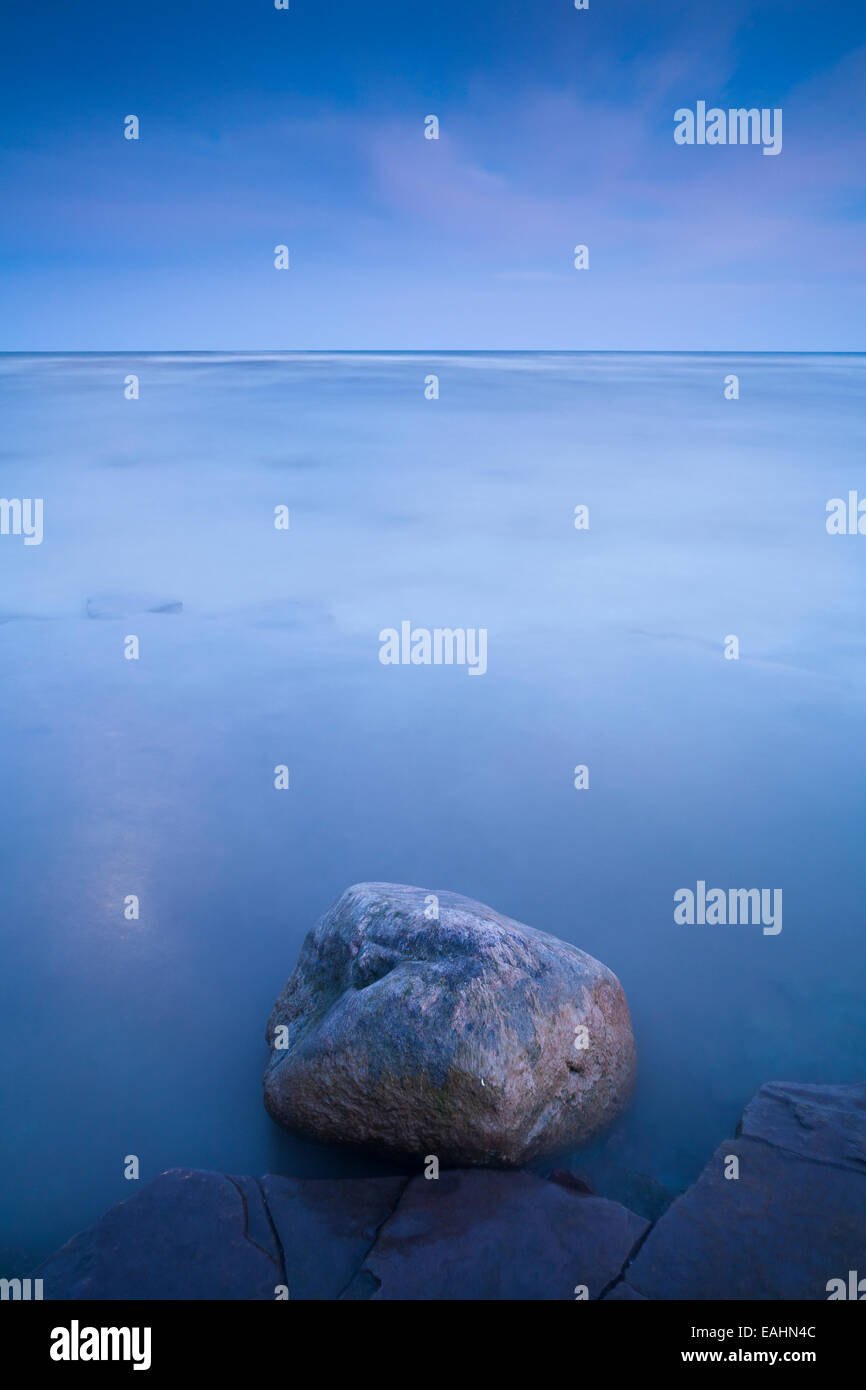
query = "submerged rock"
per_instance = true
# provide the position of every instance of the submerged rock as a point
(125, 605)
(575, 1182)
(428, 1024)
(598, 1174)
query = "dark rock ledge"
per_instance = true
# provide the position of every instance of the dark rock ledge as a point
(794, 1219)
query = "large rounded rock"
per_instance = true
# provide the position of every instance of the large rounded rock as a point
(420, 1023)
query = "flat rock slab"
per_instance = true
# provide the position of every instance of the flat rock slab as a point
(624, 1293)
(823, 1123)
(474, 1234)
(794, 1219)
(466, 1235)
(186, 1235)
(326, 1227)
(199, 1235)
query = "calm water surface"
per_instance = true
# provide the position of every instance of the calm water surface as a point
(605, 647)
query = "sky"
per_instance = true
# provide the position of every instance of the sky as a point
(262, 127)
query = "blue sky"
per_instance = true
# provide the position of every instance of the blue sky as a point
(305, 127)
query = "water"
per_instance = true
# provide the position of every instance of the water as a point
(155, 777)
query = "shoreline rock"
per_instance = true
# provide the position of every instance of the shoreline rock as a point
(470, 1234)
(421, 1023)
(791, 1220)
(790, 1224)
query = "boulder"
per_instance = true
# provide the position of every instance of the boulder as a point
(420, 1023)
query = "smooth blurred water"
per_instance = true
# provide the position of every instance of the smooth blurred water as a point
(155, 777)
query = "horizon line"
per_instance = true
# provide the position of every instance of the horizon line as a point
(432, 351)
